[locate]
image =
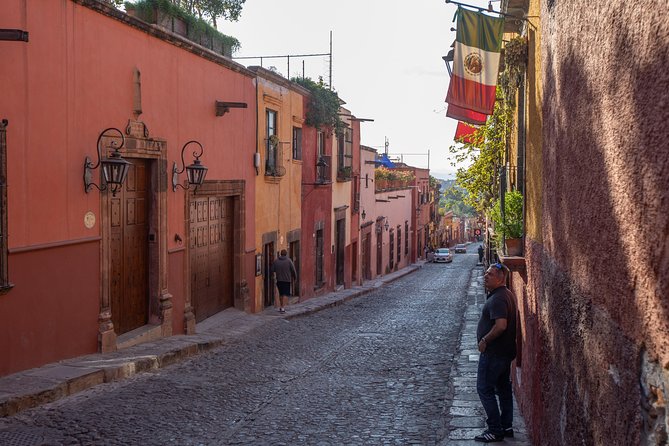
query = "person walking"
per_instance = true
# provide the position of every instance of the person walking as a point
(481, 254)
(496, 335)
(284, 273)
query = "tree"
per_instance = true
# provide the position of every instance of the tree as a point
(209, 10)
(485, 155)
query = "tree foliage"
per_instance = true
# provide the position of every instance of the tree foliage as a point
(324, 103)
(208, 10)
(453, 199)
(510, 225)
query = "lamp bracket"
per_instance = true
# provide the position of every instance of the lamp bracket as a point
(224, 107)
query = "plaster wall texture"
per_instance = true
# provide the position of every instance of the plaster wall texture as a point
(596, 301)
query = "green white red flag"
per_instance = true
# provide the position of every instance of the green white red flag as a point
(464, 115)
(464, 133)
(476, 61)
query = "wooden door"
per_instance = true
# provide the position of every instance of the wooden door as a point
(268, 281)
(340, 237)
(366, 256)
(211, 255)
(294, 254)
(379, 253)
(129, 293)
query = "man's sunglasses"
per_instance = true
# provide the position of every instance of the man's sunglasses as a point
(498, 265)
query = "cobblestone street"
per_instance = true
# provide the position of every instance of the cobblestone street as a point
(372, 371)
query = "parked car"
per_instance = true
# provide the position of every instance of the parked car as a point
(460, 247)
(443, 255)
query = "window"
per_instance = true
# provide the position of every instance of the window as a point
(271, 163)
(345, 154)
(297, 143)
(4, 277)
(320, 144)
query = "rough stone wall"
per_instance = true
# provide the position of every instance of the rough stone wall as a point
(600, 279)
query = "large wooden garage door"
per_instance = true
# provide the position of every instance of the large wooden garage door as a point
(211, 255)
(129, 232)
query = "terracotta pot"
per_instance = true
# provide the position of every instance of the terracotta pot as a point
(514, 246)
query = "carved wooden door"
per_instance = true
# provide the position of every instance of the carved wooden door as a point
(211, 255)
(129, 293)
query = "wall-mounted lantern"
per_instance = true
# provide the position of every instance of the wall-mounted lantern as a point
(363, 215)
(195, 172)
(380, 226)
(114, 168)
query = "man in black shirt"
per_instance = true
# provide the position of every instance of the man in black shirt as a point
(496, 335)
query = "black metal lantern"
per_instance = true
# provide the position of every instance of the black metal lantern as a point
(363, 215)
(195, 172)
(114, 169)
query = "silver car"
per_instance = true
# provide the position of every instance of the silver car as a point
(443, 255)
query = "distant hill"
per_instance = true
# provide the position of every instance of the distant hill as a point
(452, 199)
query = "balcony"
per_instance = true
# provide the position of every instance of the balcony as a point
(324, 170)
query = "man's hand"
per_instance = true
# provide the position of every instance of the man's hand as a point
(482, 345)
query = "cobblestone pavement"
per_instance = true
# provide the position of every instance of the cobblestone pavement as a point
(376, 370)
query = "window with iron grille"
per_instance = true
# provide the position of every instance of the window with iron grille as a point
(272, 144)
(4, 275)
(297, 143)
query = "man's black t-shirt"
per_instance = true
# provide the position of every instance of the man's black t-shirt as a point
(500, 304)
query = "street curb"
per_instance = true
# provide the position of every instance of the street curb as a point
(46, 384)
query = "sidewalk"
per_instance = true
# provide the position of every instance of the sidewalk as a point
(467, 415)
(38, 386)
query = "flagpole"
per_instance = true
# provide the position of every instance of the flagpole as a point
(480, 9)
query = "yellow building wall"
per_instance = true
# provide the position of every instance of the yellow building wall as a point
(278, 198)
(534, 124)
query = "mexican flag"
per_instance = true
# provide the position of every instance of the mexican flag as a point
(464, 115)
(476, 61)
(464, 133)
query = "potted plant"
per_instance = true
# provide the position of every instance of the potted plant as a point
(510, 225)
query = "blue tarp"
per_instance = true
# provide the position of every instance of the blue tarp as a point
(385, 162)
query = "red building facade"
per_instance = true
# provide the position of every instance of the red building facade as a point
(92, 270)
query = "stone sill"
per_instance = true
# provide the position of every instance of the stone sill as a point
(514, 263)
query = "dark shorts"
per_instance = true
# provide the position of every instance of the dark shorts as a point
(284, 288)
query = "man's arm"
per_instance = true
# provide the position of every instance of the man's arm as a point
(495, 332)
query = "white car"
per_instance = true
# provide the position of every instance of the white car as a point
(443, 255)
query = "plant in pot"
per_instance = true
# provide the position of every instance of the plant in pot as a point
(510, 225)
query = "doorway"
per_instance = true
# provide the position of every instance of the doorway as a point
(268, 282)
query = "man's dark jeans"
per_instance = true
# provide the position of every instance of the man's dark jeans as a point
(494, 378)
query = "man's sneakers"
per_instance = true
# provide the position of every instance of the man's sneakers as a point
(282, 310)
(489, 437)
(508, 432)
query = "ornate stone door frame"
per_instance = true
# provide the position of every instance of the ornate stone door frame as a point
(139, 145)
